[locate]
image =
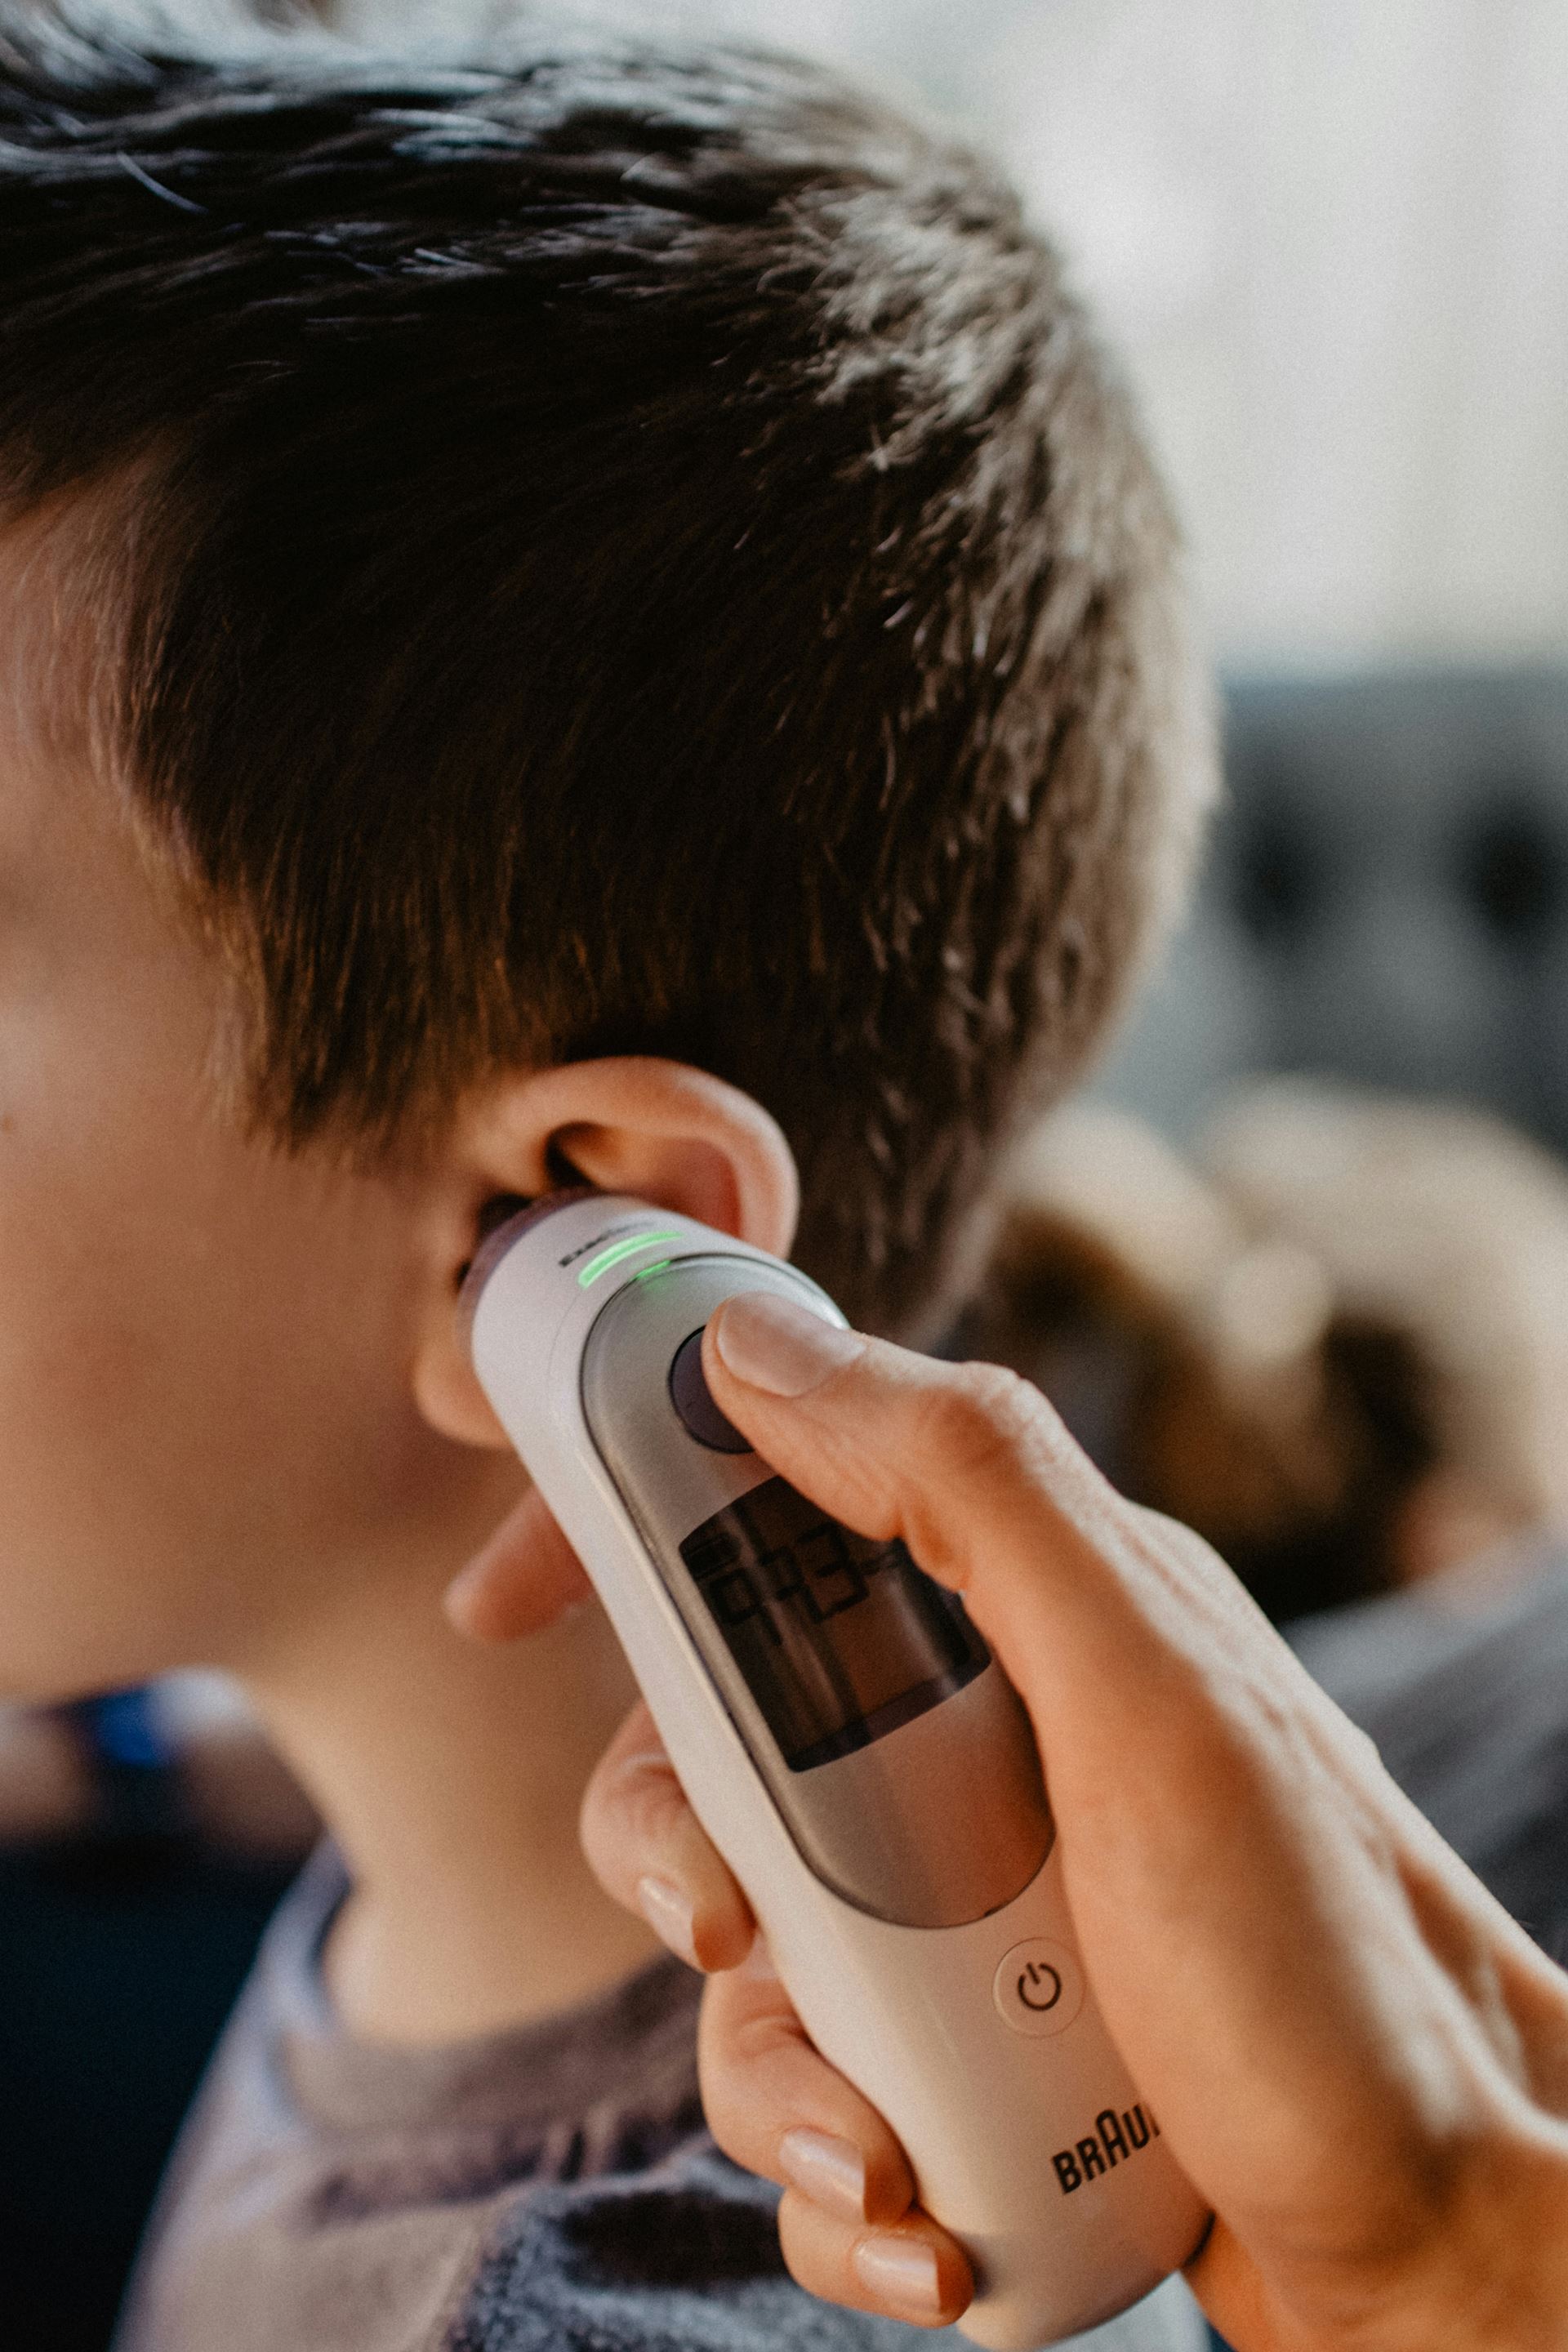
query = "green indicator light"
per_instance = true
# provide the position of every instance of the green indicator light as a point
(629, 1247)
(646, 1273)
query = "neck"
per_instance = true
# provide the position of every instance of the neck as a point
(451, 1775)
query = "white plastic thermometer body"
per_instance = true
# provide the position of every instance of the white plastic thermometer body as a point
(852, 1750)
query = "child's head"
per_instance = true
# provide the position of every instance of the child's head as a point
(609, 550)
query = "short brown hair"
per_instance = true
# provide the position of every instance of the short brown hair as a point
(635, 550)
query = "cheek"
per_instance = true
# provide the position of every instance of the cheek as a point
(204, 1415)
(95, 1533)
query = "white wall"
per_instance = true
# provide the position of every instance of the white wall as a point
(1332, 239)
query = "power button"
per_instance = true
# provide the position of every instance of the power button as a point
(690, 1395)
(1038, 1988)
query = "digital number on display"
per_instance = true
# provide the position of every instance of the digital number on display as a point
(840, 1638)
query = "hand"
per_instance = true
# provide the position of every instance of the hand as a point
(1360, 2060)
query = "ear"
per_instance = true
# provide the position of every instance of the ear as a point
(672, 1135)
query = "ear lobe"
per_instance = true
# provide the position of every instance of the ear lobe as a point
(446, 1390)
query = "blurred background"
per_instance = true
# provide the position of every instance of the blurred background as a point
(1330, 239)
(1299, 1270)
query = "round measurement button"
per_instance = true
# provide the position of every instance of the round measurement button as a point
(1038, 1988)
(690, 1395)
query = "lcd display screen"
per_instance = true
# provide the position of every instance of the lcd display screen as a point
(840, 1638)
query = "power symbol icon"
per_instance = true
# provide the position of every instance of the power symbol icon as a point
(1040, 1987)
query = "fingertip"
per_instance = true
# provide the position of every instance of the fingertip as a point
(915, 2274)
(919, 2276)
(779, 1345)
(523, 1578)
(470, 1605)
(827, 2167)
(889, 2186)
(708, 1937)
(458, 1601)
(669, 1911)
(723, 1939)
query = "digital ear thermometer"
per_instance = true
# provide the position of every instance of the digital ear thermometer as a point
(853, 1750)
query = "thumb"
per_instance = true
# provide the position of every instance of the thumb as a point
(1074, 1586)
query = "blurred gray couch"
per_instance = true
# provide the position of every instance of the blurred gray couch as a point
(1386, 899)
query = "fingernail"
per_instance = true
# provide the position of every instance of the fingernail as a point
(829, 2170)
(775, 1345)
(670, 1915)
(901, 2272)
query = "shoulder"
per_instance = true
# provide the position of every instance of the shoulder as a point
(685, 2258)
